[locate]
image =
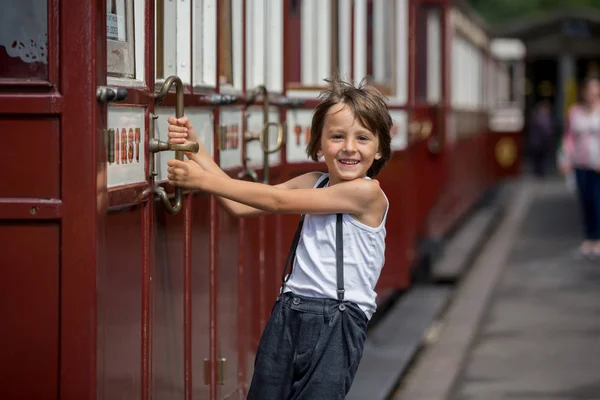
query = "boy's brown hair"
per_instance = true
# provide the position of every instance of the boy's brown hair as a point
(368, 106)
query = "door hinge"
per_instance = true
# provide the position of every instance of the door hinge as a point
(109, 142)
(221, 364)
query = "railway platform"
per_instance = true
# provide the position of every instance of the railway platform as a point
(522, 322)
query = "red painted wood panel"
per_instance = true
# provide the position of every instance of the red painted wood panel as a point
(120, 307)
(167, 306)
(35, 139)
(396, 180)
(200, 294)
(29, 310)
(228, 302)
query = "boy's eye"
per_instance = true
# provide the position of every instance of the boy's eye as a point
(363, 138)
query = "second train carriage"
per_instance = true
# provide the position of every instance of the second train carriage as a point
(149, 300)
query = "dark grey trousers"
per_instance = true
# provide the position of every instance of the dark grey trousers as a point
(310, 349)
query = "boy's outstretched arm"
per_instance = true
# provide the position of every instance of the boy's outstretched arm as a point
(356, 197)
(181, 130)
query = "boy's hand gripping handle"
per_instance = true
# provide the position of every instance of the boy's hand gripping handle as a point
(155, 145)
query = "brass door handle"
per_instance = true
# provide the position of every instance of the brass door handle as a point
(264, 133)
(426, 128)
(264, 137)
(155, 145)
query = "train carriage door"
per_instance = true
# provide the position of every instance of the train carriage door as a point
(49, 203)
(157, 300)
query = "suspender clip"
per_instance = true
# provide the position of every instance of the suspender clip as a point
(340, 293)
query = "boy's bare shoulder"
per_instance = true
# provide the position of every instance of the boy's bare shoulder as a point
(368, 190)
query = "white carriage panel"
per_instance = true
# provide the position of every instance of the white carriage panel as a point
(170, 36)
(237, 43)
(303, 94)
(298, 135)
(129, 127)
(230, 136)
(274, 47)
(492, 83)
(476, 77)
(184, 34)
(140, 39)
(309, 43)
(434, 59)
(480, 82)
(203, 125)
(345, 37)
(204, 54)
(456, 92)
(399, 130)
(473, 81)
(322, 41)
(402, 51)
(255, 43)
(360, 40)
(254, 126)
(469, 77)
(379, 41)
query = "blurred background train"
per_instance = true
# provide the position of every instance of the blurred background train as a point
(115, 293)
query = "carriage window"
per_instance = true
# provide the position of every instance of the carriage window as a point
(204, 32)
(120, 52)
(24, 40)
(381, 43)
(428, 60)
(172, 40)
(225, 44)
(320, 37)
(230, 43)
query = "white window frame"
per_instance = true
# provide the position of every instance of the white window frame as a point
(360, 40)
(383, 45)
(316, 42)
(204, 33)
(434, 55)
(177, 29)
(264, 44)
(401, 93)
(237, 43)
(344, 37)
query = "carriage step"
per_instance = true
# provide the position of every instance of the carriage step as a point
(393, 343)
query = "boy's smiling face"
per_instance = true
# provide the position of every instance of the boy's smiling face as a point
(348, 147)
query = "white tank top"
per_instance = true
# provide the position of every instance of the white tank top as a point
(314, 273)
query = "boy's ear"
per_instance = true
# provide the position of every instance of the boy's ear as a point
(378, 155)
(320, 153)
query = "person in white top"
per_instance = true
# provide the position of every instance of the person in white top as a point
(313, 341)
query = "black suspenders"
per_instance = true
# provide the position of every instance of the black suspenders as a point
(339, 251)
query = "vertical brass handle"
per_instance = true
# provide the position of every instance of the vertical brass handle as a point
(156, 145)
(264, 138)
(264, 134)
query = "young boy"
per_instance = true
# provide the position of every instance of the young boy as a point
(313, 341)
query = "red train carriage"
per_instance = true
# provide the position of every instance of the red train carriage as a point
(117, 286)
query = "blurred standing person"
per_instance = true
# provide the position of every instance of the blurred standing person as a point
(540, 135)
(580, 153)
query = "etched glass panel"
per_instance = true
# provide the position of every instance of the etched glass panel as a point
(24, 40)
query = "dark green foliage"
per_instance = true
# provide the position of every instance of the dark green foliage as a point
(500, 11)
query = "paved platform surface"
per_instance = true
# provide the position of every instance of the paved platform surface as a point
(538, 334)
